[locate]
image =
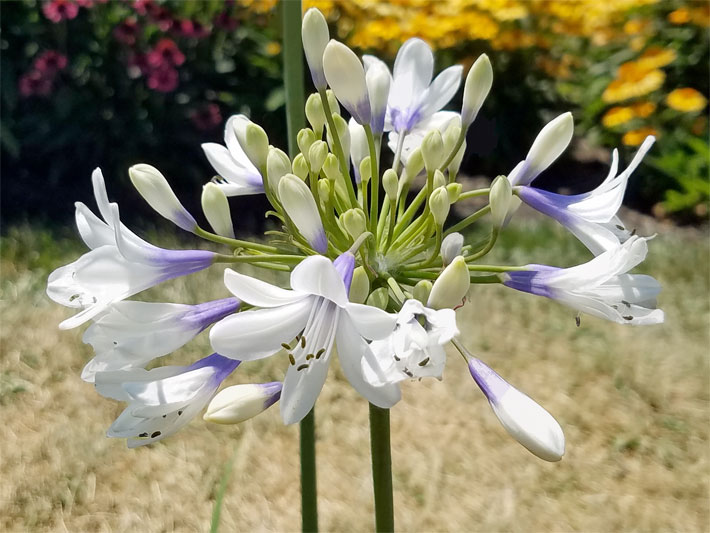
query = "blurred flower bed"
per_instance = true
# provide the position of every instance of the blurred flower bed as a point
(89, 82)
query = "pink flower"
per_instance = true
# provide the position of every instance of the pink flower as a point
(191, 28)
(127, 31)
(34, 82)
(163, 18)
(146, 7)
(165, 53)
(225, 21)
(206, 117)
(163, 79)
(58, 10)
(50, 62)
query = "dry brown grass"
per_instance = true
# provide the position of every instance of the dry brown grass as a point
(633, 404)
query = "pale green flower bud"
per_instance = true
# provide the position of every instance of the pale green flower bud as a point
(451, 286)
(359, 149)
(360, 286)
(451, 135)
(433, 150)
(343, 132)
(346, 76)
(365, 170)
(301, 208)
(422, 290)
(414, 165)
(277, 165)
(379, 298)
(454, 190)
(216, 209)
(315, 114)
(451, 247)
(332, 102)
(305, 138)
(478, 84)
(439, 179)
(390, 183)
(324, 188)
(500, 198)
(315, 37)
(331, 168)
(255, 143)
(455, 164)
(354, 222)
(241, 402)
(155, 189)
(316, 155)
(439, 205)
(300, 167)
(378, 79)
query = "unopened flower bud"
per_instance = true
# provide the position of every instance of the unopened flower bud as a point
(549, 144)
(300, 166)
(439, 205)
(415, 164)
(422, 290)
(305, 138)
(360, 286)
(454, 190)
(500, 197)
(451, 247)
(358, 146)
(439, 179)
(316, 155)
(331, 167)
(277, 165)
(241, 402)
(455, 164)
(365, 170)
(390, 183)
(378, 80)
(379, 298)
(346, 76)
(254, 141)
(433, 150)
(324, 188)
(315, 114)
(478, 84)
(332, 102)
(451, 286)
(155, 189)
(523, 418)
(301, 208)
(315, 36)
(216, 209)
(354, 222)
(451, 135)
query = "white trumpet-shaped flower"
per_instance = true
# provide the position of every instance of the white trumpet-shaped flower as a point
(131, 334)
(415, 349)
(307, 321)
(523, 418)
(237, 174)
(600, 287)
(413, 96)
(120, 264)
(591, 216)
(162, 400)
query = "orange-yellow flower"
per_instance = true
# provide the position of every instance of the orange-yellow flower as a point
(636, 137)
(272, 48)
(686, 100)
(643, 109)
(656, 57)
(679, 16)
(634, 83)
(616, 116)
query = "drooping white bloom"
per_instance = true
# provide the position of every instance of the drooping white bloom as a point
(308, 321)
(300, 206)
(440, 120)
(600, 287)
(346, 76)
(414, 349)
(120, 264)
(131, 334)
(241, 402)
(413, 96)
(238, 174)
(315, 36)
(591, 216)
(152, 185)
(549, 144)
(162, 400)
(524, 419)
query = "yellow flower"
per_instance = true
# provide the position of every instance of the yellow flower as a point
(679, 16)
(701, 16)
(643, 109)
(635, 26)
(636, 137)
(686, 100)
(633, 84)
(656, 57)
(616, 116)
(272, 48)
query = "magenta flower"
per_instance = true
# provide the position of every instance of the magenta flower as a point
(34, 83)
(225, 21)
(50, 62)
(163, 79)
(127, 31)
(206, 117)
(165, 54)
(191, 28)
(58, 10)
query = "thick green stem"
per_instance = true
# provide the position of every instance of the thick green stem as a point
(309, 502)
(381, 468)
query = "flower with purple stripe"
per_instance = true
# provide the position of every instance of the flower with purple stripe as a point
(162, 400)
(307, 322)
(600, 287)
(241, 402)
(131, 334)
(120, 264)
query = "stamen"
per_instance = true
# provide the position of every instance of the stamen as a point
(578, 320)
(309, 357)
(627, 304)
(320, 352)
(155, 434)
(286, 347)
(303, 341)
(143, 435)
(179, 412)
(303, 366)
(627, 317)
(424, 362)
(291, 359)
(622, 228)
(406, 371)
(397, 358)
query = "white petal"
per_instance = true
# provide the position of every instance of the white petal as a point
(230, 169)
(371, 322)
(301, 389)
(413, 69)
(259, 293)
(110, 384)
(94, 231)
(251, 335)
(180, 388)
(317, 275)
(442, 89)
